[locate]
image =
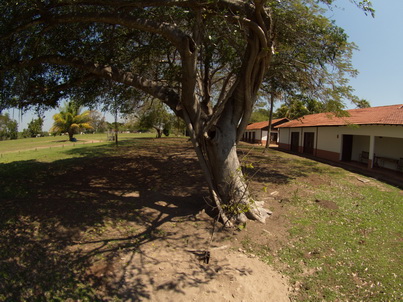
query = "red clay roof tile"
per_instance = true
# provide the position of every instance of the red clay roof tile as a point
(384, 115)
(261, 125)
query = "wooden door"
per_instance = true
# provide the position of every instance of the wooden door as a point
(347, 147)
(309, 138)
(294, 141)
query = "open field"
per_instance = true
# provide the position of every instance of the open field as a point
(95, 222)
(30, 144)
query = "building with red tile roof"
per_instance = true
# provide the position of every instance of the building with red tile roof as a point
(373, 136)
(256, 133)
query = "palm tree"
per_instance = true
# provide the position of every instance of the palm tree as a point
(362, 104)
(70, 120)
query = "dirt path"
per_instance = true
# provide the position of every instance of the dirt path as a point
(178, 275)
(176, 268)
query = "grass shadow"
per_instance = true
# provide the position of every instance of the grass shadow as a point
(57, 218)
(272, 168)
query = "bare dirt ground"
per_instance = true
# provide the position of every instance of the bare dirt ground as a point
(176, 268)
(135, 226)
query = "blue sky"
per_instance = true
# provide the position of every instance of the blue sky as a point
(379, 59)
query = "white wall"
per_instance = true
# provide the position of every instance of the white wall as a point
(264, 135)
(329, 139)
(284, 135)
(248, 134)
(388, 139)
(389, 146)
(376, 130)
(258, 134)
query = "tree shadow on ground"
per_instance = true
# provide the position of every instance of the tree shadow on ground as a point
(57, 220)
(271, 168)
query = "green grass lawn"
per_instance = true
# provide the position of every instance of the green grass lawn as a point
(53, 147)
(345, 239)
(352, 253)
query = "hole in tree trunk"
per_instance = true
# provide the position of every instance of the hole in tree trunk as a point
(212, 133)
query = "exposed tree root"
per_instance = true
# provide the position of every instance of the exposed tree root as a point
(257, 212)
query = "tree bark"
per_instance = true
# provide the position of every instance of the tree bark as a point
(227, 183)
(159, 132)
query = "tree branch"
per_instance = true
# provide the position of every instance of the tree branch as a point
(168, 31)
(230, 4)
(165, 94)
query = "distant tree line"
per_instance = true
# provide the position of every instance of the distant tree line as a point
(8, 127)
(152, 116)
(296, 107)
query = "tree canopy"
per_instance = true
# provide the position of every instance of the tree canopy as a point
(299, 106)
(8, 127)
(97, 121)
(34, 128)
(155, 116)
(363, 104)
(56, 49)
(312, 61)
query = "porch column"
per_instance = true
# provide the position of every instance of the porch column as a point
(371, 151)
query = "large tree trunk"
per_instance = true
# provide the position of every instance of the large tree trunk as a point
(230, 183)
(71, 135)
(218, 156)
(159, 132)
